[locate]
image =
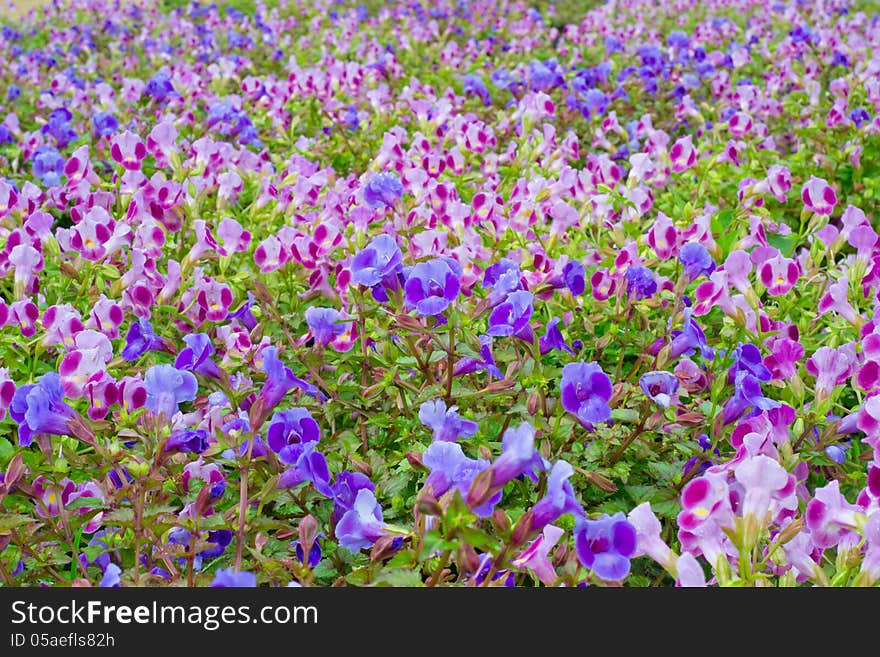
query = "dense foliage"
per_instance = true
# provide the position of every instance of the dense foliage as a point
(450, 293)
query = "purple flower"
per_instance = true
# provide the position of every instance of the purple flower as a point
(518, 456)
(747, 358)
(308, 465)
(167, 387)
(345, 491)
(605, 545)
(39, 408)
(48, 165)
(196, 356)
(487, 364)
(105, 124)
(315, 553)
(362, 524)
(379, 262)
(279, 381)
(140, 339)
(747, 393)
(559, 499)
(228, 578)
(586, 390)
(575, 277)
(192, 441)
(292, 427)
(511, 316)
(326, 324)
(159, 87)
(502, 278)
(447, 424)
(553, 339)
(474, 85)
(111, 575)
(244, 314)
(696, 260)
(659, 387)
(383, 190)
(431, 286)
(451, 469)
(640, 282)
(690, 338)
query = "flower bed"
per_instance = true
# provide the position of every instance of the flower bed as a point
(444, 294)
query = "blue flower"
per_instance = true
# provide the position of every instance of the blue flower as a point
(447, 424)
(140, 339)
(167, 387)
(383, 190)
(228, 578)
(431, 286)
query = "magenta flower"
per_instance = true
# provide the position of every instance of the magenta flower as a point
(447, 424)
(768, 490)
(431, 286)
(683, 154)
(535, 556)
(585, 391)
(782, 362)
(648, 540)
(831, 367)
(706, 513)
(778, 275)
(128, 150)
(605, 545)
(829, 517)
(818, 196)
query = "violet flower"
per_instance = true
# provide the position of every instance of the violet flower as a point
(585, 392)
(167, 387)
(447, 424)
(383, 190)
(431, 286)
(39, 408)
(605, 545)
(511, 317)
(660, 387)
(362, 524)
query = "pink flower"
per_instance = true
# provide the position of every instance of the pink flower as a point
(534, 557)
(818, 196)
(778, 274)
(683, 154)
(128, 150)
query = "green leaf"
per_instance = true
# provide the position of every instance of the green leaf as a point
(12, 520)
(399, 577)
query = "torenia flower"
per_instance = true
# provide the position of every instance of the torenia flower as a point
(39, 408)
(362, 524)
(819, 196)
(659, 386)
(379, 262)
(586, 390)
(534, 557)
(606, 545)
(383, 190)
(167, 387)
(431, 286)
(511, 316)
(228, 578)
(447, 424)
